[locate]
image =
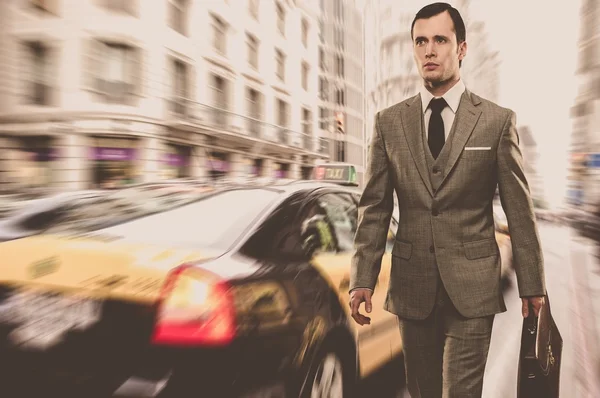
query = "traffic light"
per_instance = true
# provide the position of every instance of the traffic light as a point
(339, 118)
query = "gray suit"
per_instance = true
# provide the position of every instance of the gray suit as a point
(446, 255)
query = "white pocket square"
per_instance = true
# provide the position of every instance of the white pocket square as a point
(478, 148)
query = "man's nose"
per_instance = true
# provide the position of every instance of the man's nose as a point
(430, 50)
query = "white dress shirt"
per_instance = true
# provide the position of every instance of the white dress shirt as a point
(452, 98)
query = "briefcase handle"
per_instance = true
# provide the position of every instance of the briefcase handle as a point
(533, 329)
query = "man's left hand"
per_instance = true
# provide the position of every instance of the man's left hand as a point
(536, 303)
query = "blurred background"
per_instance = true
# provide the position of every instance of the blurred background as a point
(101, 95)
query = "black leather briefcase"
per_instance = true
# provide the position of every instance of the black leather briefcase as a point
(540, 357)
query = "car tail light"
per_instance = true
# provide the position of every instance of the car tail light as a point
(196, 308)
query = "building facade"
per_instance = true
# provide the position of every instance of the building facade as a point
(341, 82)
(98, 92)
(529, 150)
(584, 173)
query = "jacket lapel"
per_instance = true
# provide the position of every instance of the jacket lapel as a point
(412, 125)
(466, 118)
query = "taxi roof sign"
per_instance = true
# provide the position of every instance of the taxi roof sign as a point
(343, 174)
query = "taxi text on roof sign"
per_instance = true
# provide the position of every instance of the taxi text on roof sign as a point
(336, 173)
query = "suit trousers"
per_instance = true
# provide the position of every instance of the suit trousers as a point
(445, 354)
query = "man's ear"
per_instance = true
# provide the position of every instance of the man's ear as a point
(462, 50)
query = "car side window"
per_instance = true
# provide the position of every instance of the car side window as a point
(342, 211)
(278, 235)
(317, 230)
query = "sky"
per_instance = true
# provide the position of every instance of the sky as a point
(538, 48)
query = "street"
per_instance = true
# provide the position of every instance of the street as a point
(573, 283)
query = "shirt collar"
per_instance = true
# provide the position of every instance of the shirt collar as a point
(452, 96)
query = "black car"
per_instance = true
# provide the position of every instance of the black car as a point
(239, 293)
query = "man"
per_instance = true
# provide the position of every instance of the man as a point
(444, 152)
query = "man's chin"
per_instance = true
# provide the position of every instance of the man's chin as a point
(433, 78)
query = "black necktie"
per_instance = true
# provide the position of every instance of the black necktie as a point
(436, 135)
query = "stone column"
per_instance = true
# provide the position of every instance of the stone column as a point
(295, 171)
(73, 166)
(150, 159)
(199, 161)
(239, 165)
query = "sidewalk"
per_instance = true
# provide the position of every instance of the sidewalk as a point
(586, 316)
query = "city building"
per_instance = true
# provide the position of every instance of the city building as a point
(529, 150)
(341, 82)
(584, 173)
(98, 92)
(390, 67)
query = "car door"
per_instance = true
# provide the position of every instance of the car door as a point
(340, 212)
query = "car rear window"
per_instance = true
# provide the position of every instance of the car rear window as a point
(217, 220)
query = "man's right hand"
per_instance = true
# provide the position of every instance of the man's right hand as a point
(357, 297)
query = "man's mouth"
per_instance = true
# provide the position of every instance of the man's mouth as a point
(430, 64)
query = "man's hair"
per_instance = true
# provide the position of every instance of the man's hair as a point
(434, 9)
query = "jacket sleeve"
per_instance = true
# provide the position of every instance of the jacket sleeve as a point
(517, 204)
(374, 214)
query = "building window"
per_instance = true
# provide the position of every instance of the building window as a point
(306, 121)
(177, 15)
(252, 51)
(280, 18)
(323, 118)
(220, 100)
(339, 65)
(181, 86)
(323, 89)
(280, 62)
(305, 33)
(340, 97)
(219, 35)
(39, 65)
(305, 72)
(340, 151)
(254, 111)
(253, 7)
(338, 38)
(282, 113)
(322, 63)
(120, 65)
(123, 6)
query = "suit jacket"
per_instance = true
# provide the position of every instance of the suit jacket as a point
(446, 234)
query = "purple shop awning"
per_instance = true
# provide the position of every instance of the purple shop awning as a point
(113, 153)
(174, 159)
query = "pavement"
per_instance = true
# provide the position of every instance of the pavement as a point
(573, 285)
(573, 282)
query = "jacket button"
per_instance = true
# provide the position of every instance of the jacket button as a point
(431, 249)
(436, 170)
(435, 212)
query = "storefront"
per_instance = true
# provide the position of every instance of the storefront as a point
(177, 161)
(256, 168)
(113, 162)
(33, 161)
(282, 170)
(218, 165)
(307, 172)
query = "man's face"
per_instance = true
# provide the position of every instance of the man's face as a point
(436, 51)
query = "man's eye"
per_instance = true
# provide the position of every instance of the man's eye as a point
(419, 42)
(440, 40)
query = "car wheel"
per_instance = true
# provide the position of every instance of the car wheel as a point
(328, 378)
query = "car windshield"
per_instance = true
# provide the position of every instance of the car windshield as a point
(216, 220)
